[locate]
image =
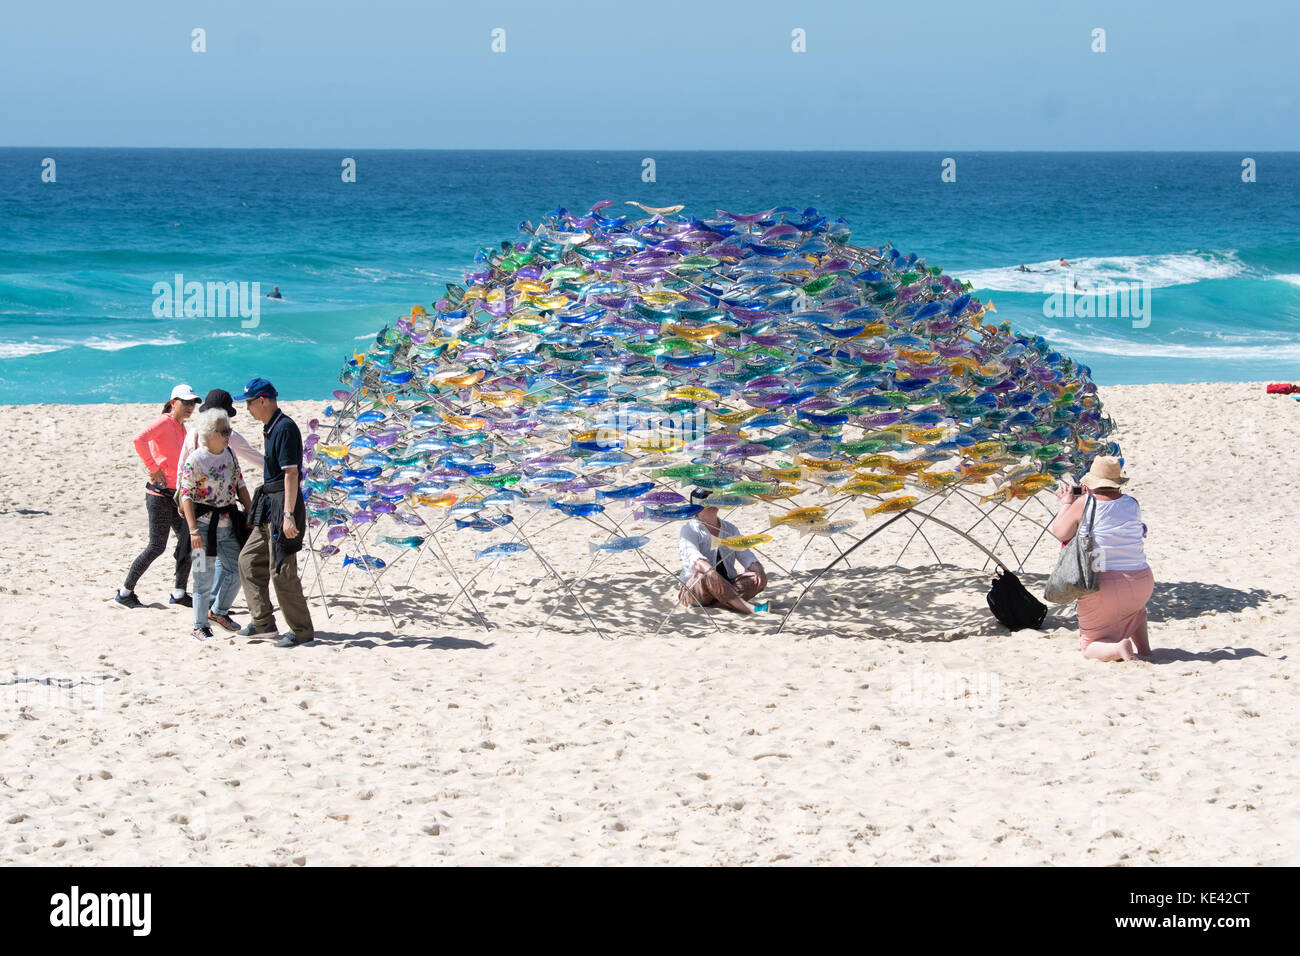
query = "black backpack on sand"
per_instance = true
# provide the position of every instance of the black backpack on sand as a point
(1013, 605)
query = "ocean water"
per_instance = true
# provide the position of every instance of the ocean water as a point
(80, 257)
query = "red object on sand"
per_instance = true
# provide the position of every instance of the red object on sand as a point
(1282, 388)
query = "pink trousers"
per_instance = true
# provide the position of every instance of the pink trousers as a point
(1119, 609)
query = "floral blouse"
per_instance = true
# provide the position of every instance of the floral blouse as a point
(208, 479)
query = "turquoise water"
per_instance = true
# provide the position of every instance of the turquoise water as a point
(80, 257)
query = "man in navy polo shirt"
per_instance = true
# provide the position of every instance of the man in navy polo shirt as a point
(277, 520)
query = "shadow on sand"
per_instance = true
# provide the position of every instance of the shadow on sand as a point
(927, 603)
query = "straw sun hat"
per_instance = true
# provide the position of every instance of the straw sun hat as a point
(1106, 472)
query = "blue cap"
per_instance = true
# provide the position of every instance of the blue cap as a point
(258, 388)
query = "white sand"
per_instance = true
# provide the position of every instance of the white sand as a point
(894, 721)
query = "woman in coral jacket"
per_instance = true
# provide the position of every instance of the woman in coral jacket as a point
(159, 447)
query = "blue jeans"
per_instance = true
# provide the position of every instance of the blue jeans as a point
(216, 583)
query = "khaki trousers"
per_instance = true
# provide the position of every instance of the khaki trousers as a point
(255, 573)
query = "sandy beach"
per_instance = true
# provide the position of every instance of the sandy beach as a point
(893, 721)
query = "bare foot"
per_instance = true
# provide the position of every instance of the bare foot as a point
(1126, 650)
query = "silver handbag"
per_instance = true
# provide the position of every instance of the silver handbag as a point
(1075, 574)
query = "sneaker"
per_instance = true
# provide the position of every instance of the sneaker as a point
(254, 630)
(129, 601)
(291, 640)
(224, 620)
(201, 633)
(184, 600)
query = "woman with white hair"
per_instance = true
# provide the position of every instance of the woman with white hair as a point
(1114, 618)
(211, 485)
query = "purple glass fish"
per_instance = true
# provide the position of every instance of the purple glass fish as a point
(661, 498)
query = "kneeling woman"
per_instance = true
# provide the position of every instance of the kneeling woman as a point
(211, 484)
(1114, 618)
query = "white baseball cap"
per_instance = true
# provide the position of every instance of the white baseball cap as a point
(185, 394)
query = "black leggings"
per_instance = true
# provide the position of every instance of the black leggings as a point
(163, 516)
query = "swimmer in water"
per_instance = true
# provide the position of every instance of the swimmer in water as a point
(1064, 263)
(274, 293)
(1021, 268)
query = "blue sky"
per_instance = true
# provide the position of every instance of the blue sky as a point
(659, 74)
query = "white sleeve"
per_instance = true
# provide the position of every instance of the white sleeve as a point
(688, 547)
(190, 443)
(246, 451)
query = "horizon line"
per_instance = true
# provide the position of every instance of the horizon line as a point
(629, 149)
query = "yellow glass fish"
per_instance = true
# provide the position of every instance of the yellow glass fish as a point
(667, 445)
(875, 461)
(919, 356)
(333, 451)
(873, 330)
(701, 334)
(742, 543)
(506, 399)
(525, 319)
(909, 467)
(926, 436)
(781, 492)
(982, 470)
(663, 297)
(417, 312)
(471, 423)
(734, 418)
(459, 379)
(1035, 483)
(693, 393)
(937, 479)
(444, 500)
(531, 285)
(862, 487)
(813, 513)
(893, 504)
(1001, 495)
(824, 464)
(985, 449)
(781, 474)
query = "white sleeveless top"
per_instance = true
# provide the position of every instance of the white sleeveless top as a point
(1117, 532)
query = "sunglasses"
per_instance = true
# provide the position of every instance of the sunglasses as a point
(224, 432)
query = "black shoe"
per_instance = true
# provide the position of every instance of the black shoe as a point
(129, 601)
(255, 630)
(184, 600)
(291, 640)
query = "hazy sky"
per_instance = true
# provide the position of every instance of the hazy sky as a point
(667, 74)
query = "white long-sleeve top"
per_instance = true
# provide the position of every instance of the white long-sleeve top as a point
(694, 543)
